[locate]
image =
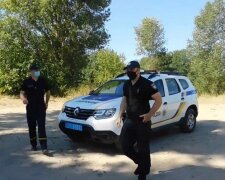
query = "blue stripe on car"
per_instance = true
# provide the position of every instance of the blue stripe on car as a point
(101, 97)
(188, 93)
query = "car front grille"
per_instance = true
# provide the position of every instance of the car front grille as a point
(83, 114)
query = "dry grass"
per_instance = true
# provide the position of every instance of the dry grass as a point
(209, 99)
(71, 93)
(80, 91)
(84, 90)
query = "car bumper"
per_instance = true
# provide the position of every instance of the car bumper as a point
(106, 137)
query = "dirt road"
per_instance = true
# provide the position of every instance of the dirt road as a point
(175, 156)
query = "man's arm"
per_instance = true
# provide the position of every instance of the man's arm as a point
(23, 97)
(47, 97)
(158, 102)
(123, 107)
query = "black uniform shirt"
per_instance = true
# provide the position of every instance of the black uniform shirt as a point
(35, 91)
(138, 96)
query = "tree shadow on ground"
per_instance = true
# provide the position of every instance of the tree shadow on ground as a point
(203, 140)
(24, 164)
(66, 164)
(169, 139)
(190, 172)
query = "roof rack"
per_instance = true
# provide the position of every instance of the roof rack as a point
(142, 72)
(154, 73)
(171, 73)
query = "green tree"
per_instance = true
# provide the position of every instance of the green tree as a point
(102, 66)
(150, 37)
(207, 47)
(164, 61)
(210, 27)
(160, 62)
(148, 63)
(206, 72)
(180, 61)
(58, 34)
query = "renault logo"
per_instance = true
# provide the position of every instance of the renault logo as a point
(76, 111)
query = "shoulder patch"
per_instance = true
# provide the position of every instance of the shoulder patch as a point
(153, 86)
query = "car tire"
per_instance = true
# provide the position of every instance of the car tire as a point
(189, 122)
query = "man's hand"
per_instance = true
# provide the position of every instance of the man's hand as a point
(158, 101)
(123, 107)
(23, 97)
(25, 101)
(47, 97)
(118, 122)
(146, 117)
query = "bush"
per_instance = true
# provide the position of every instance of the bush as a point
(102, 66)
(206, 72)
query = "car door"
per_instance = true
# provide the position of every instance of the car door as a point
(173, 104)
(159, 114)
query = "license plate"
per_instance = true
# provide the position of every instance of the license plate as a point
(76, 127)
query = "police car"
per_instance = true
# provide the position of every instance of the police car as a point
(94, 116)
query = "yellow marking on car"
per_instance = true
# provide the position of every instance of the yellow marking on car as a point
(180, 109)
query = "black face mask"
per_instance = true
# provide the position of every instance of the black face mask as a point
(131, 75)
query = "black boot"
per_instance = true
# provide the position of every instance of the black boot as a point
(142, 177)
(33, 148)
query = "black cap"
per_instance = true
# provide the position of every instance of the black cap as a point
(34, 67)
(132, 65)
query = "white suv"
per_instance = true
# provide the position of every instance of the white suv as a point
(94, 116)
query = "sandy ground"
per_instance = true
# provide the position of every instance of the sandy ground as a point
(175, 156)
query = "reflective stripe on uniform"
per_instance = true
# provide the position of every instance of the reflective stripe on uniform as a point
(42, 139)
(34, 138)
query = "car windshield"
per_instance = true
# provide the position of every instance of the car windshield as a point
(114, 88)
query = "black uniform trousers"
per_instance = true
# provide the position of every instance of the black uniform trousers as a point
(137, 131)
(36, 117)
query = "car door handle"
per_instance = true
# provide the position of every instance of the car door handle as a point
(182, 98)
(165, 103)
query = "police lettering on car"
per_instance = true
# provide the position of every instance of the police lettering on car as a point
(137, 125)
(35, 93)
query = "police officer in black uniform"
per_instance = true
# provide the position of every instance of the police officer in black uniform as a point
(137, 125)
(33, 90)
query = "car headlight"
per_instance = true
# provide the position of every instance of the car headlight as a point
(104, 113)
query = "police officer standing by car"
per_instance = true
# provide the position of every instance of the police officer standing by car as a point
(33, 90)
(137, 125)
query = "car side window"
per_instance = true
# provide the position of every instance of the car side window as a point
(173, 86)
(160, 87)
(183, 83)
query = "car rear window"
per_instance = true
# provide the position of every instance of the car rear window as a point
(173, 86)
(184, 83)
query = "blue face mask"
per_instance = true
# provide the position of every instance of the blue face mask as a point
(37, 74)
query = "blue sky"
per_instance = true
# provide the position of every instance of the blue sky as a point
(176, 16)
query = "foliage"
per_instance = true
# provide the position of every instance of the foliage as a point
(210, 26)
(58, 34)
(160, 62)
(180, 61)
(207, 47)
(207, 72)
(148, 63)
(102, 66)
(150, 37)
